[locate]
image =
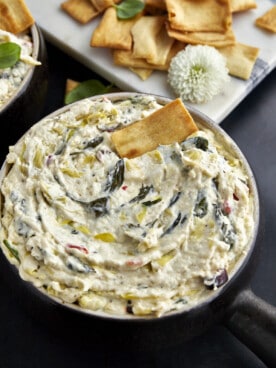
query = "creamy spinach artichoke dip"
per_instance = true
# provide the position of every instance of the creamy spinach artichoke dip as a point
(11, 78)
(142, 236)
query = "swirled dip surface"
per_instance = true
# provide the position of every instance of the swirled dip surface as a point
(143, 236)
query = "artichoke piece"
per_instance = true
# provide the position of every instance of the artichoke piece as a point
(166, 258)
(105, 237)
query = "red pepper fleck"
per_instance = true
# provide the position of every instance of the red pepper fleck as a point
(78, 247)
(134, 263)
(124, 187)
(226, 208)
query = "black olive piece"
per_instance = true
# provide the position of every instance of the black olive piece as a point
(129, 307)
(219, 279)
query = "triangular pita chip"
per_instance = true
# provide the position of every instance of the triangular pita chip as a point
(268, 20)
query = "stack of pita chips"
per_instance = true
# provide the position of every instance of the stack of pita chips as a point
(15, 16)
(149, 41)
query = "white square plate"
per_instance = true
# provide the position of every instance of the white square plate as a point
(74, 39)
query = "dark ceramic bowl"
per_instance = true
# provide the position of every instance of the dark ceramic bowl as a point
(25, 106)
(234, 305)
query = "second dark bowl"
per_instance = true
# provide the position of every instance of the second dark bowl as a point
(23, 109)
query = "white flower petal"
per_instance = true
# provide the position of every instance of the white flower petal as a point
(198, 73)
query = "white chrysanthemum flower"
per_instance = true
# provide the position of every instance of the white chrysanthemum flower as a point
(197, 73)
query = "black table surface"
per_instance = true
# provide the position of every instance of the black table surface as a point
(24, 343)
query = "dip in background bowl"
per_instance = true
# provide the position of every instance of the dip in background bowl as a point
(23, 107)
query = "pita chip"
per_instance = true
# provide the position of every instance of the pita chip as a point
(171, 123)
(199, 15)
(150, 39)
(101, 5)
(15, 16)
(216, 39)
(82, 11)
(242, 5)
(112, 32)
(126, 58)
(142, 73)
(268, 20)
(240, 59)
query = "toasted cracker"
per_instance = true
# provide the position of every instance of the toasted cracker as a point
(101, 5)
(150, 39)
(242, 5)
(82, 11)
(142, 73)
(112, 32)
(126, 58)
(171, 123)
(199, 15)
(15, 16)
(216, 39)
(268, 20)
(240, 59)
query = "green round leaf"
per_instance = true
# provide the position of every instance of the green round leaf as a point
(86, 89)
(129, 8)
(9, 54)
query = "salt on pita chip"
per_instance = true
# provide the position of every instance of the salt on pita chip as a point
(15, 16)
(215, 39)
(112, 32)
(199, 15)
(242, 5)
(171, 123)
(240, 59)
(150, 39)
(268, 20)
(81, 10)
(142, 73)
